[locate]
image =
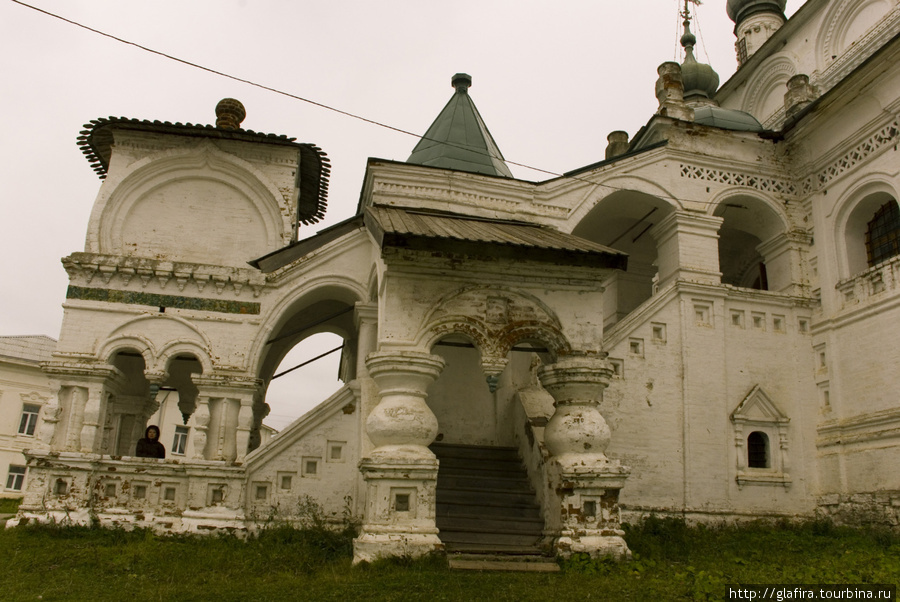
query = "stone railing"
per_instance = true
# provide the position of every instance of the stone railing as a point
(876, 280)
(163, 495)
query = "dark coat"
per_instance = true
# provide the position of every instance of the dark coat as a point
(150, 448)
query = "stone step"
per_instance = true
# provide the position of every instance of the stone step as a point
(492, 549)
(472, 509)
(474, 562)
(478, 483)
(512, 472)
(488, 540)
(486, 498)
(475, 452)
(516, 526)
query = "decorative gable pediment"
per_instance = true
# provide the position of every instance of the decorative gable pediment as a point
(758, 408)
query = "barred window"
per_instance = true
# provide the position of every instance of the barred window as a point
(758, 450)
(883, 234)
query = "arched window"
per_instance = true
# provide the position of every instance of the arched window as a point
(883, 234)
(758, 450)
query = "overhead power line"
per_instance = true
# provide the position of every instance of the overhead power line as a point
(323, 105)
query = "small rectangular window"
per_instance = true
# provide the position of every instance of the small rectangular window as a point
(335, 451)
(29, 419)
(140, 492)
(262, 492)
(310, 468)
(737, 318)
(759, 320)
(110, 490)
(16, 478)
(217, 496)
(590, 509)
(61, 487)
(401, 502)
(169, 494)
(286, 481)
(778, 323)
(179, 444)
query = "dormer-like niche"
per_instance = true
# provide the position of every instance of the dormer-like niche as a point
(761, 441)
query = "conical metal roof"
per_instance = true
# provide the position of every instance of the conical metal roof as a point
(459, 139)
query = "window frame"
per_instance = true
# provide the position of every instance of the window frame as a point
(29, 419)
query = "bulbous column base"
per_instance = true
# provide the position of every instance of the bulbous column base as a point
(402, 418)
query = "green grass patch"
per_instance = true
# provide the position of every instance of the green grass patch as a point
(9, 505)
(671, 562)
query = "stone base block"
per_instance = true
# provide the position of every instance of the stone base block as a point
(598, 545)
(369, 547)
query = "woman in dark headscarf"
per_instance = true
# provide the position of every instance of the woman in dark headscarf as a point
(149, 446)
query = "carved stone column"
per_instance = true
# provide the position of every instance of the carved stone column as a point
(223, 418)
(587, 483)
(83, 391)
(400, 472)
(201, 426)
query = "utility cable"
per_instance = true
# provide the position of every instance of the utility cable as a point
(330, 108)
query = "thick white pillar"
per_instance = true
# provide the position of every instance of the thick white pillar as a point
(586, 481)
(400, 472)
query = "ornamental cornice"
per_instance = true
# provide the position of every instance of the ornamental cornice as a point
(859, 429)
(154, 143)
(83, 268)
(885, 136)
(769, 184)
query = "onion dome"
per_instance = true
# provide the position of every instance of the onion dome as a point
(699, 78)
(738, 10)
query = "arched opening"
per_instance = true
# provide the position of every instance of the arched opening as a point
(872, 233)
(318, 330)
(623, 221)
(749, 228)
(758, 450)
(131, 406)
(177, 399)
(301, 381)
(460, 398)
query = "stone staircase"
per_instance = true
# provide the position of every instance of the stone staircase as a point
(486, 505)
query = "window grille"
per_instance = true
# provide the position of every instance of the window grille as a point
(883, 234)
(758, 450)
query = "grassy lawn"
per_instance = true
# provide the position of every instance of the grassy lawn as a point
(672, 562)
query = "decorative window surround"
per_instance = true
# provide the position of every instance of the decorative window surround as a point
(757, 412)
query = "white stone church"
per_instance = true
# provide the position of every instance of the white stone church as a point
(703, 323)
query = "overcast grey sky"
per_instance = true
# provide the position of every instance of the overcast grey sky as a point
(551, 81)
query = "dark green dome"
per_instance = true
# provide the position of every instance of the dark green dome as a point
(726, 119)
(699, 78)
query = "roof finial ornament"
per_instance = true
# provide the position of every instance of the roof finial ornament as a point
(229, 114)
(462, 82)
(688, 40)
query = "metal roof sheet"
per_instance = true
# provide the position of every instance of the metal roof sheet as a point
(398, 225)
(459, 139)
